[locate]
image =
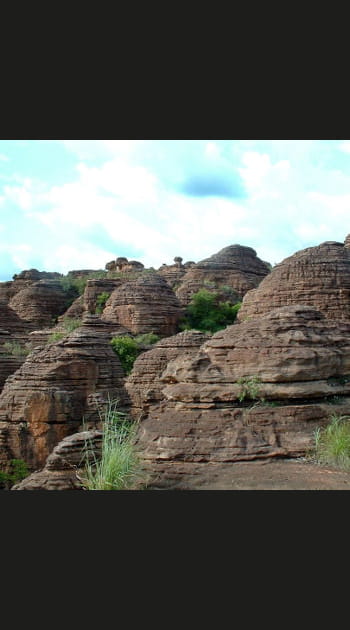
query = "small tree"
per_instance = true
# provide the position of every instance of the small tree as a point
(101, 302)
(127, 350)
(207, 313)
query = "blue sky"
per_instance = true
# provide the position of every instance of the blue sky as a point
(77, 204)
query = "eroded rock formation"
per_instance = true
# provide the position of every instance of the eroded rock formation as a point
(235, 267)
(316, 276)
(57, 387)
(143, 384)
(300, 361)
(64, 467)
(144, 305)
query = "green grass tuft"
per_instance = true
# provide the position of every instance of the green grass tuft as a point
(119, 467)
(332, 443)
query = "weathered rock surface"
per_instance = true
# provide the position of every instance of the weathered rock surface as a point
(57, 387)
(143, 384)
(236, 267)
(144, 305)
(64, 466)
(40, 303)
(302, 361)
(316, 276)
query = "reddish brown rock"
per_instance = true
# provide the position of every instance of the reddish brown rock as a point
(64, 468)
(316, 276)
(301, 361)
(57, 387)
(143, 384)
(144, 305)
(40, 303)
(235, 267)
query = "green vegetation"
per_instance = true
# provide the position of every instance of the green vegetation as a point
(250, 387)
(332, 443)
(19, 470)
(68, 325)
(119, 467)
(15, 349)
(128, 348)
(101, 302)
(147, 339)
(208, 313)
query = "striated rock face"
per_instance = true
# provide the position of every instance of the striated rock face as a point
(57, 387)
(64, 465)
(143, 384)
(144, 305)
(300, 360)
(39, 303)
(316, 276)
(235, 266)
(95, 287)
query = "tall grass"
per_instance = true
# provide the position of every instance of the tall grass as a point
(332, 443)
(119, 466)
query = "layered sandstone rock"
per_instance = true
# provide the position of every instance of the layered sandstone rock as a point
(95, 287)
(124, 265)
(316, 276)
(40, 303)
(64, 468)
(258, 389)
(57, 387)
(144, 305)
(235, 267)
(143, 384)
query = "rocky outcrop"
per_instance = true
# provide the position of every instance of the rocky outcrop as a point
(254, 390)
(235, 267)
(316, 276)
(40, 303)
(174, 274)
(64, 468)
(94, 288)
(55, 389)
(143, 384)
(144, 305)
(124, 265)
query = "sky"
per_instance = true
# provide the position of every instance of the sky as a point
(78, 204)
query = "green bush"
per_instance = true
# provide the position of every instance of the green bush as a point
(119, 466)
(15, 349)
(147, 339)
(207, 313)
(250, 387)
(101, 302)
(127, 350)
(332, 443)
(19, 470)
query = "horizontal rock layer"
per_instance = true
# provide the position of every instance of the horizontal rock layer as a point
(207, 411)
(56, 388)
(316, 276)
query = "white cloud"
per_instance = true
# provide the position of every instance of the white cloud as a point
(4, 158)
(345, 146)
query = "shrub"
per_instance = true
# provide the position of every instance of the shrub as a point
(19, 470)
(127, 350)
(119, 466)
(147, 339)
(332, 443)
(101, 302)
(207, 313)
(15, 349)
(56, 336)
(250, 387)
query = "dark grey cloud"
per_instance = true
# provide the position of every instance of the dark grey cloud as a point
(213, 185)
